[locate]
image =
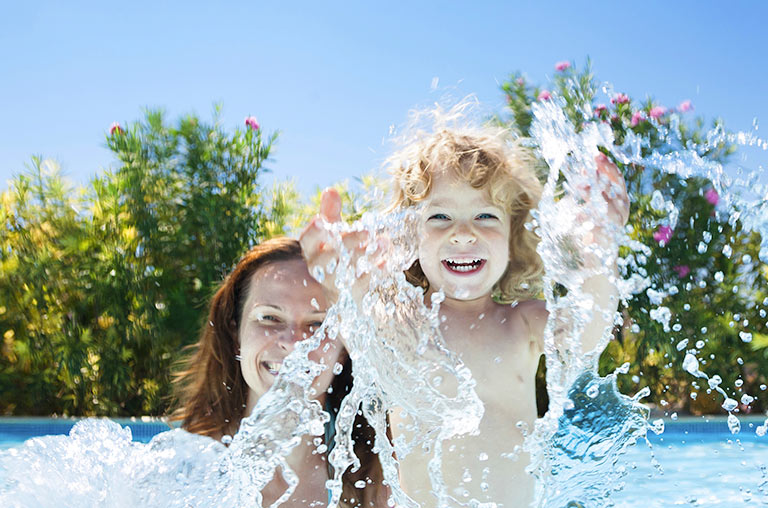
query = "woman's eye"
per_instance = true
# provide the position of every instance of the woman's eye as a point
(438, 216)
(269, 318)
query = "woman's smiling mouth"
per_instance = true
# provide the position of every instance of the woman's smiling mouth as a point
(463, 266)
(272, 367)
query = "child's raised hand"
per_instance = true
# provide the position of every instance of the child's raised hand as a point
(320, 249)
(615, 190)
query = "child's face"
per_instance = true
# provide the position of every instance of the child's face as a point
(464, 248)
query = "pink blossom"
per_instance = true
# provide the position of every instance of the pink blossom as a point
(663, 234)
(657, 112)
(252, 123)
(115, 129)
(561, 66)
(544, 95)
(637, 117)
(599, 109)
(620, 98)
(682, 270)
(520, 81)
(712, 197)
(685, 106)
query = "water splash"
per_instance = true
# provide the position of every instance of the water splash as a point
(398, 357)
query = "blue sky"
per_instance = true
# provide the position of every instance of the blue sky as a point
(334, 76)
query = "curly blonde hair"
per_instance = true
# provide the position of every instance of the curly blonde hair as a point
(486, 158)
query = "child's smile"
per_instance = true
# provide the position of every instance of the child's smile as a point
(464, 248)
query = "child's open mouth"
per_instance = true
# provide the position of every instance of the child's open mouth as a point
(463, 265)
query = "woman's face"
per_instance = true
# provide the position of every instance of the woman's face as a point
(284, 304)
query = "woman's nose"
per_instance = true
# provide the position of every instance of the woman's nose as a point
(289, 337)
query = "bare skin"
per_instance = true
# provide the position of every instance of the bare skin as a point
(501, 344)
(502, 355)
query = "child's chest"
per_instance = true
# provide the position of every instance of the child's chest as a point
(503, 361)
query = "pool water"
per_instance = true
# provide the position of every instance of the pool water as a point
(694, 462)
(14, 431)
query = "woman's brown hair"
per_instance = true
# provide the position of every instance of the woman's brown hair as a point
(211, 392)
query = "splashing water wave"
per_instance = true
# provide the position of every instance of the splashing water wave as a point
(574, 448)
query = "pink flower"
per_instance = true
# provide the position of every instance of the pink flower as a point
(252, 123)
(544, 95)
(599, 109)
(663, 234)
(115, 129)
(657, 112)
(520, 81)
(561, 66)
(685, 106)
(682, 270)
(712, 197)
(637, 117)
(620, 98)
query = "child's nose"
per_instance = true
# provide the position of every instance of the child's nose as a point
(462, 235)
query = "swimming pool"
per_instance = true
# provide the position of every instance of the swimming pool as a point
(695, 462)
(16, 430)
(698, 463)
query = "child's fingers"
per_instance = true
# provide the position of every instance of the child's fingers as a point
(355, 241)
(312, 240)
(330, 205)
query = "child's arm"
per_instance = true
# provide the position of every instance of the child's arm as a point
(602, 286)
(599, 287)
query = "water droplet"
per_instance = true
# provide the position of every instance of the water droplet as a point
(714, 381)
(318, 273)
(360, 484)
(738, 383)
(226, 439)
(730, 404)
(700, 344)
(727, 251)
(337, 368)
(673, 416)
(702, 248)
(719, 276)
(745, 336)
(314, 304)
(592, 391)
(682, 344)
(747, 399)
(657, 426)
(691, 364)
(733, 424)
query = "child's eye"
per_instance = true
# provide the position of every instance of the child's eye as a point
(485, 216)
(438, 216)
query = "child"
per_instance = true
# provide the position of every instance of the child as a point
(476, 191)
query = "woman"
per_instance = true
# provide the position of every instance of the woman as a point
(263, 307)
